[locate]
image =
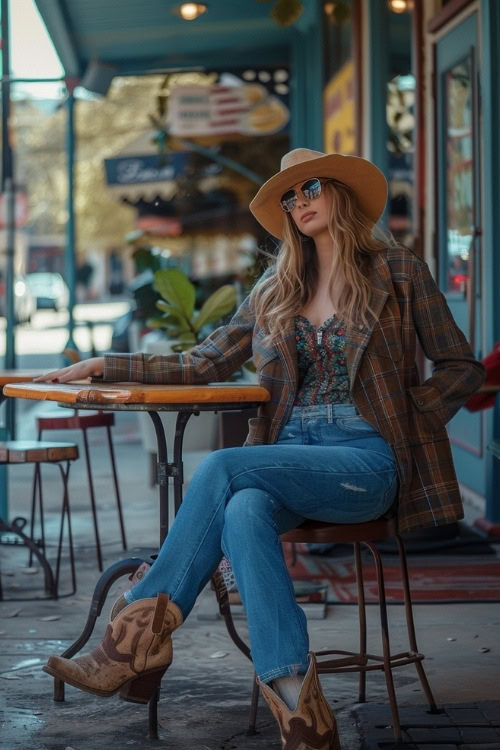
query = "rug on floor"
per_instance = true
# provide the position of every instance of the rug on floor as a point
(443, 579)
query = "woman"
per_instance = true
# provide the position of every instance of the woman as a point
(348, 432)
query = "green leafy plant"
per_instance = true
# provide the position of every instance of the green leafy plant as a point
(179, 318)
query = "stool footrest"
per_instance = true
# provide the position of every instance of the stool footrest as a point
(355, 662)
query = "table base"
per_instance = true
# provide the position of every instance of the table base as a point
(127, 568)
(166, 471)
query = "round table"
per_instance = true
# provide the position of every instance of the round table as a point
(184, 399)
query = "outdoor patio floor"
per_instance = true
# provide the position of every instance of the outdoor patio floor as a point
(205, 698)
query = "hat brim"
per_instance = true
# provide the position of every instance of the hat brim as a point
(363, 177)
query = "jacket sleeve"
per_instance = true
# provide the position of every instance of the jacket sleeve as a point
(457, 374)
(215, 359)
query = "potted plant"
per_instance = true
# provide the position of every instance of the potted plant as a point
(179, 318)
(178, 328)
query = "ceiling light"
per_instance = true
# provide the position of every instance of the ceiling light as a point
(190, 11)
(400, 6)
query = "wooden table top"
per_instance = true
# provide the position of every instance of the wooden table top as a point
(84, 392)
(19, 376)
(17, 384)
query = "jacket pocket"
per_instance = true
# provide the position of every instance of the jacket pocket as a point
(427, 414)
(426, 397)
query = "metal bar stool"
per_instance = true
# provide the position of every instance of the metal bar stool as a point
(38, 453)
(352, 661)
(84, 422)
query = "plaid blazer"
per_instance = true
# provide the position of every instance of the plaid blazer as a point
(385, 384)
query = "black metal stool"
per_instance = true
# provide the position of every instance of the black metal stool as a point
(38, 453)
(83, 422)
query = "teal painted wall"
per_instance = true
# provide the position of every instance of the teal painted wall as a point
(378, 51)
(306, 85)
(490, 102)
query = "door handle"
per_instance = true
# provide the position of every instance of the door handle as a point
(470, 287)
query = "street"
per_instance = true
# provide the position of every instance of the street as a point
(39, 343)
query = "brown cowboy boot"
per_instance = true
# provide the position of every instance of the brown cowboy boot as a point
(133, 656)
(312, 725)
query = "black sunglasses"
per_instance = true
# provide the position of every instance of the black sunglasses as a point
(311, 189)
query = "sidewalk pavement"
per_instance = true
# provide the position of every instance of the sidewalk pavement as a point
(206, 692)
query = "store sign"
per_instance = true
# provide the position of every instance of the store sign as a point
(136, 170)
(249, 109)
(340, 112)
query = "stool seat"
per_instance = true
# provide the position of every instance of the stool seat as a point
(39, 452)
(36, 451)
(57, 421)
(323, 532)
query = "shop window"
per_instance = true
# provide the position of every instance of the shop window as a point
(459, 173)
(400, 114)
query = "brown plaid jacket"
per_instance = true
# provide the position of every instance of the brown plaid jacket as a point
(383, 374)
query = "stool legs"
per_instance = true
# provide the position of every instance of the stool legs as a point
(411, 627)
(117, 488)
(92, 492)
(37, 489)
(362, 619)
(16, 527)
(384, 626)
(92, 501)
(253, 708)
(66, 512)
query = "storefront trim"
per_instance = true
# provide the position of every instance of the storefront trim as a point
(446, 14)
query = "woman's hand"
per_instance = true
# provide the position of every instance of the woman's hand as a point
(79, 371)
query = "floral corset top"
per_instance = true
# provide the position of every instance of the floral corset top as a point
(323, 374)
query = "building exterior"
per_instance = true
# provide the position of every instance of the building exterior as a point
(413, 85)
(417, 91)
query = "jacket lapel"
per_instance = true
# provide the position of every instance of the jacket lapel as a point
(287, 351)
(356, 339)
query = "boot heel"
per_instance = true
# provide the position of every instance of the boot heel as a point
(142, 689)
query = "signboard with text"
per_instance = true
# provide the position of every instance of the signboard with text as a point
(249, 109)
(136, 170)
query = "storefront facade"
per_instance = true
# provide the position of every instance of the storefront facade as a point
(415, 87)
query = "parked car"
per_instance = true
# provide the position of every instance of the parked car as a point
(24, 301)
(49, 289)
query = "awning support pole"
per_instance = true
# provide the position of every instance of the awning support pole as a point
(70, 259)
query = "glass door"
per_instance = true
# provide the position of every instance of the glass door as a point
(458, 214)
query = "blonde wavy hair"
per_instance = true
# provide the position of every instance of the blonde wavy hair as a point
(292, 276)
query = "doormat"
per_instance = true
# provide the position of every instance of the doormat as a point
(440, 580)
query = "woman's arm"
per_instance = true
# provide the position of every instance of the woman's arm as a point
(457, 374)
(89, 368)
(215, 359)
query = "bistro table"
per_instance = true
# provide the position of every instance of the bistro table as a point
(184, 399)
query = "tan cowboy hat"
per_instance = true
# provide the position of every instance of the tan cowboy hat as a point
(363, 177)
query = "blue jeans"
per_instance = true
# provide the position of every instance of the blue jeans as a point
(329, 464)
